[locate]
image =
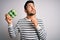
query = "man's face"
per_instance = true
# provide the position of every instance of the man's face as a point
(30, 9)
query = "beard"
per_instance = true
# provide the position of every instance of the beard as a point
(31, 14)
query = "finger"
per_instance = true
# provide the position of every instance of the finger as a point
(5, 15)
(8, 17)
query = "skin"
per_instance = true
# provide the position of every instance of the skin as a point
(8, 19)
(30, 9)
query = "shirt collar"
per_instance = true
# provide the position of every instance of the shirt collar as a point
(28, 19)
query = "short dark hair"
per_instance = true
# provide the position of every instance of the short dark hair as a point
(29, 1)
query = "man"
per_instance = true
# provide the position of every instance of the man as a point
(30, 28)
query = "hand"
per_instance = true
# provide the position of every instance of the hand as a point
(34, 21)
(8, 18)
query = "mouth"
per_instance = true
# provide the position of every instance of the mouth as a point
(33, 12)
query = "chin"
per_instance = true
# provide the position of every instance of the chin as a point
(31, 14)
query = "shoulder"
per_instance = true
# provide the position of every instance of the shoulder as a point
(39, 20)
(21, 20)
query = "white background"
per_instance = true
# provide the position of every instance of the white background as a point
(47, 10)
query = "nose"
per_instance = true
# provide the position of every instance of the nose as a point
(33, 8)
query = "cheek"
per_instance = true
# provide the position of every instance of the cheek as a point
(29, 9)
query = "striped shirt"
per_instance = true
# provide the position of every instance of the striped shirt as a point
(27, 30)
